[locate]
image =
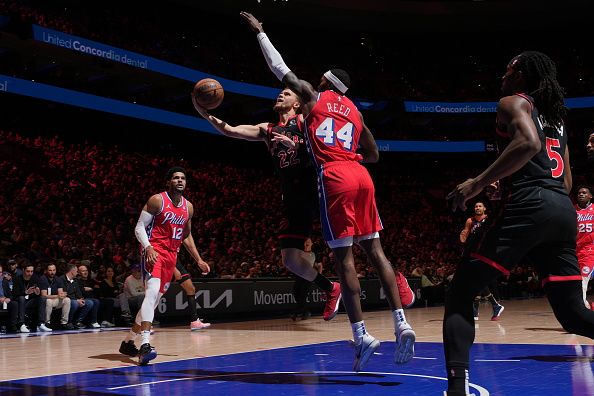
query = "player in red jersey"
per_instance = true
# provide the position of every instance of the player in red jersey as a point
(338, 139)
(585, 237)
(286, 145)
(164, 224)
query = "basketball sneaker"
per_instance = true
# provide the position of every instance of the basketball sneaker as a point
(198, 325)
(364, 351)
(146, 353)
(407, 296)
(405, 343)
(332, 301)
(43, 328)
(497, 311)
(128, 348)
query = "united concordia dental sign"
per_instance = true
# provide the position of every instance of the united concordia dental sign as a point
(89, 47)
(93, 48)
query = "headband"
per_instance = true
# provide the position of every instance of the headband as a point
(336, 82)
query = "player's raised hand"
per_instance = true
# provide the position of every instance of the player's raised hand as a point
(201, 110)
(204, 266)
(284, 139)
(462, 193)
(255, 25)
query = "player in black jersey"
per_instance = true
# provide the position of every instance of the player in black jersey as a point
(286, 145)
(536, 222)
(468, 236)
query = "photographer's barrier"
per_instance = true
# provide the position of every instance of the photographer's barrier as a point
(221, 298)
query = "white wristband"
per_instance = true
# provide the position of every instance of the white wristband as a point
(273, 57)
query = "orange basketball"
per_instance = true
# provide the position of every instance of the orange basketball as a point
(208, 93)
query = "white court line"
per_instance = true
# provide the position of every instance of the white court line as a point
(423, 358)
(497, 360)
(482, 391)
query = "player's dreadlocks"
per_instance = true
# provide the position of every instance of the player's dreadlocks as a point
(540, 74)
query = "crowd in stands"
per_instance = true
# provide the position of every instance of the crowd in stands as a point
(68, 210)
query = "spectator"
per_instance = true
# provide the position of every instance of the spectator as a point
(79, 307)
(26, 290)
(52, 289)
(134, 289)
(88, 288)
(6, 302)
(110, 290)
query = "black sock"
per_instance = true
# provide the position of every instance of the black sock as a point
(457, 380)
(192, 306)
(492, 300)
(323, 283)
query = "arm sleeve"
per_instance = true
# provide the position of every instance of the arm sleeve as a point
(144, 221)
(273, 57)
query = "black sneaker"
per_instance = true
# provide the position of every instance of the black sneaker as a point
(128, 348)
(69, 326)
(146, 354)
(80, 325)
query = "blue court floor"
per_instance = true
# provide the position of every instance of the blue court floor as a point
(325, 369)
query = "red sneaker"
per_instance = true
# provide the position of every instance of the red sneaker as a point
(407, 296)
(332, 301)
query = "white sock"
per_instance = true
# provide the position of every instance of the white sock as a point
(146, 336)
(358, 331)
(131, 336)
(399, 318)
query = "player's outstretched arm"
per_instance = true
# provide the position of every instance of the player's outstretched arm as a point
(276, 63)
(246, 132)
(367, 146)
(515, 113)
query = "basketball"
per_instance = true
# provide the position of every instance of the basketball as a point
(208, 93)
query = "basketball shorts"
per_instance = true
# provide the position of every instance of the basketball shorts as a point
(162, 268)
(586, 262)
(185, 275)
(540, 229)
(296, 225)
(347, 203)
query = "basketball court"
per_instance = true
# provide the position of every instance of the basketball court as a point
(526, 353)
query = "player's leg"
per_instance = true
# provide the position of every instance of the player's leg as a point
(295, 229)
(365, 344)
(184, 279)
(405, 336)
(585, 281)
(563, 286)
(458, 326)
(300, 290)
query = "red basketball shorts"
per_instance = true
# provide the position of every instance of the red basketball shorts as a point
(347, 201)
(162, 269)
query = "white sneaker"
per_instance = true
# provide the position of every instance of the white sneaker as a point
(405, 344)
(24, 329)
(364, 351)
(42, 328)
(95, 325)
(105, 323)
